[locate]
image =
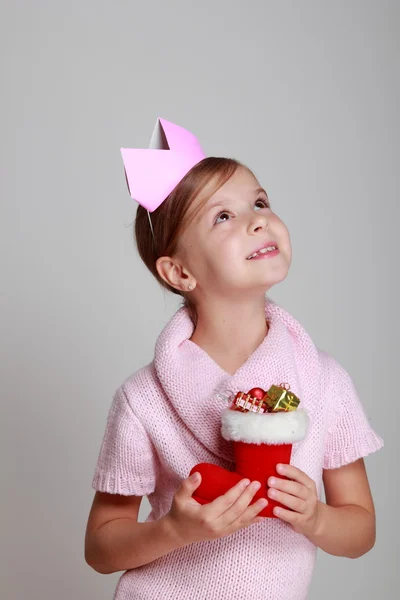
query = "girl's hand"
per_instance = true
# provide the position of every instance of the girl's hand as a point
(194, 522)
(300, 495)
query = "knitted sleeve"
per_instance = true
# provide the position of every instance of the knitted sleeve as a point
(350, 435)
(127, 462)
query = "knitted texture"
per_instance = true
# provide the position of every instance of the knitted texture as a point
(166, 417)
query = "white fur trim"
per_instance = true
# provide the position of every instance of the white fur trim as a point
(264, 428)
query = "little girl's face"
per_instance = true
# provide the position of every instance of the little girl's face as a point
(233, 224)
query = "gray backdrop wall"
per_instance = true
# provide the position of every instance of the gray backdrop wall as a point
(307, 94)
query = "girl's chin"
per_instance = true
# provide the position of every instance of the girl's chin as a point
(274, 278)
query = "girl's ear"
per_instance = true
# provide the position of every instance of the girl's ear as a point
(174, 273)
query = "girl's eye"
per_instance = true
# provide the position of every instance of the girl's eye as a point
(221, 214)
(265, 204)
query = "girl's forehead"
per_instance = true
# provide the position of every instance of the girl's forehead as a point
(242, 181)
(241, 178)
(240, 186)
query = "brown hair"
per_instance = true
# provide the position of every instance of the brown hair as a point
(172, 217)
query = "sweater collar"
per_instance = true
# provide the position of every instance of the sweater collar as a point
(192, 380)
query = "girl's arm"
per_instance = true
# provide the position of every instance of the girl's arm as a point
(123, 544)
(114, 539)
(346, 523)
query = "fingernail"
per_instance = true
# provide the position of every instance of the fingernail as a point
(245, 482)
(263, 502)
(272, 481)
(256, 485)
(195, 476)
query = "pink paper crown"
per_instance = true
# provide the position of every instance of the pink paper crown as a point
(153, 173)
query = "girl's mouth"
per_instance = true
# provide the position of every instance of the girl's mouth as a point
(268, 252)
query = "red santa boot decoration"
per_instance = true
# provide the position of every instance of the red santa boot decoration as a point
(262, 427)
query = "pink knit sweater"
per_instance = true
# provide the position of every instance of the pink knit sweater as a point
(166, 417)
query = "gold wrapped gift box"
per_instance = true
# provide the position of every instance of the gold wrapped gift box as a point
(277, 399)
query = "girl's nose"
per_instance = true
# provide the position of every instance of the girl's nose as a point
(258, 222)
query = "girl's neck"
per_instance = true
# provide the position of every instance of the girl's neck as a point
(231, 333)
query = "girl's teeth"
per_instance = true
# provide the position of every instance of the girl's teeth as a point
(263, 251)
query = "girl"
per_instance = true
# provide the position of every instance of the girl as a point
(216, 241)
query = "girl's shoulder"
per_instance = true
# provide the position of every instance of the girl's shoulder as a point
(333, 373)
(338, 391)
(139, 381)
(142, 392)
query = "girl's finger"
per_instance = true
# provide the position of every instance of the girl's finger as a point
(242, 509)
(222, 503)
(247, 516)
(290, 487)
(289, 516)
(294, 473)
(292, 502)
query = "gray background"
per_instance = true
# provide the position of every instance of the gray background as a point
(305, 93)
